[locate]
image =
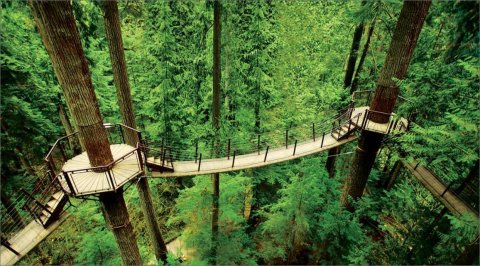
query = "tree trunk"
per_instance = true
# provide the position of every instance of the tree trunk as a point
(217, 32)
(57, 27)
(398, 58)
(352, 58)
(396, 64)
(12, 210)
(365, 154)
(332, 157)
(56, 24)
(362, 58)
(120, 76)
(116, 217)
(119, 67)
(394, 174)
(24, 162)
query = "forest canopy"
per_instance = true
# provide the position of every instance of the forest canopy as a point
(254, 76)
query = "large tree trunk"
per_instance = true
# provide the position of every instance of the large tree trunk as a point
(396, 64)
(120, 76)
(354, 86)
(217, 33)
(398, 58)
(57, 27)
(116, 217)
(352, 58)
(56, 24)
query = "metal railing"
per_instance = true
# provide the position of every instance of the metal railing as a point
(67, 147)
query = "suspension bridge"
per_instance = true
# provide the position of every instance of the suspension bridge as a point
(68, 173)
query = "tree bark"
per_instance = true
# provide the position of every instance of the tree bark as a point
(396, 64)
(217, 32)
(354, 86)
(120, 76)
(394, 174)
(116, 216)
(67, 126)
(12, 210)
(352, 58)
(119, 67)
(398, 58)
(332, 157)
(60, 36)
(56, 24)
(365, 154)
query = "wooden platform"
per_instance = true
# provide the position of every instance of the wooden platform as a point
(89, 182)
(449, 199)
(372, 126)
(27, 239)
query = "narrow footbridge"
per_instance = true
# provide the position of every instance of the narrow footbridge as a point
(68, 173)
(452, 199)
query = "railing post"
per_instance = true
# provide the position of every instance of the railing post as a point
(69, 183)
(266, 153)
(109, 174)
(365, 118)
(39, 204)
(234, 154)
(121, 132)
(358, 118)
(196, 151)
(164, 152)
(258, 144)
(228, 150)
(323, 137)
(313, 131)
(199, 162)
(286, 139)
(49, 165)
(62, 151)
(295, 148)
(415, 168)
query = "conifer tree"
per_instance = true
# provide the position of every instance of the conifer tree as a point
(120, 76)
(56, 24)
(401, 49)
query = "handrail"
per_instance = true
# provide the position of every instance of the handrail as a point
(46, 158)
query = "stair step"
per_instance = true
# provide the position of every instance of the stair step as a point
(150, 159)
(58, 195)
(45, 213)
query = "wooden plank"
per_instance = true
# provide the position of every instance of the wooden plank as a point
(28, 238)
(432, 184)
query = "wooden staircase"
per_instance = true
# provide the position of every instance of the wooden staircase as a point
(158, 160)
(344, 126)
(45, 203)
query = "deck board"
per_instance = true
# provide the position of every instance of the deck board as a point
(430, 182)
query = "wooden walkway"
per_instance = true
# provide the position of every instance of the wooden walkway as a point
(25, 240)
(431, 182)
(277, 155)
(252, 160)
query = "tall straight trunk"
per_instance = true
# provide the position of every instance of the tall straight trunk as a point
(119, 67)
(120, 76)
(352, 58)
(217, 33)
(396, 64)
(398, 58)
(394, 174)
(57, 27)
(354, 86)
(352, 61)
(56, 24)
(12, 210)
